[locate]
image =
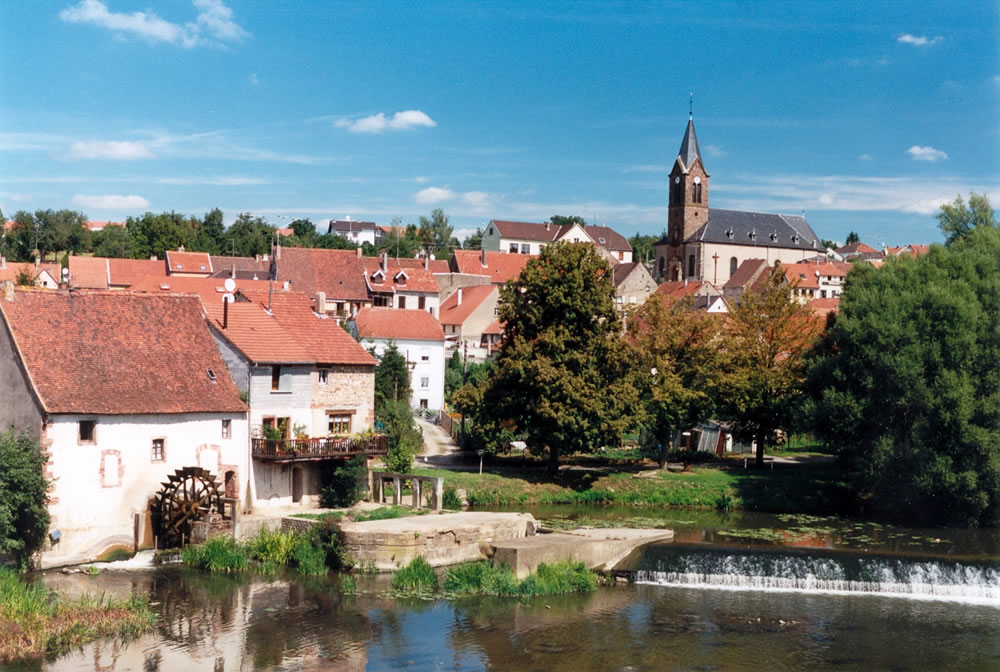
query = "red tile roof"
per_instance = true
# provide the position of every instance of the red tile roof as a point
(291, 334)
(417, 279)
(499, 266)
(189, 262)
(98, 226)
(543, 232)
(88, 272)
(338, 273)
(821, 307)
(613, 241)
(678, 289)
(472, 297)
(119, 353)
(495, 328)
(390, 323)
(210, 290)
(14, 268)
(126, 272)
(434, 265)
(808, 275)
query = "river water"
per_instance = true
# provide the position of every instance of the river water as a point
(731, 593)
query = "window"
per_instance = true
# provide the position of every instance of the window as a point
(425, 355)
(619, 299)
(696, 190)
(425, 381)
(324, 376)
(489, 232)
(423, 403)
(338, 422)
(631, 299)
(691, 264)
(525, 248)
(422, 302)
(381, 301)
(732, 265)
(88, 431)
(227, 428)
(275, 378)
(402, 302)
(621, 256)
(513, 248)
(158, 450)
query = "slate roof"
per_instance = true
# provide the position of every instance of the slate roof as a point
(291, 334)
(689, 150)
(347, 225)
(114, 353)
(340, 274)
(189, 262)
(390, 323)
(621, 271)
(613, 241)
(499, 267)
(759, 229)
(472, 297)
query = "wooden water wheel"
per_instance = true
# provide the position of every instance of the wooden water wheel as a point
(188, 496)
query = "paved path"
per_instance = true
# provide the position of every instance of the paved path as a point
(439, 448)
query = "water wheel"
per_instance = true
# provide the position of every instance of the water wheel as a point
(188, 496)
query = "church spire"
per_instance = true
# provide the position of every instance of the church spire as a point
(689, 146)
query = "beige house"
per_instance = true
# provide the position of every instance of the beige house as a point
(465, 315)
(633, 283)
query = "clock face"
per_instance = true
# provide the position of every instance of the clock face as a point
(697, 180)
(677, 180)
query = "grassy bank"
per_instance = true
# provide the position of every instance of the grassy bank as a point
(815, 488)
(482, 578)
(34, 621)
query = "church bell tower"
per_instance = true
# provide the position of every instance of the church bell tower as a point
(688, 210)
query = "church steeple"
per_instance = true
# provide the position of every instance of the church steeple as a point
(688, 209)
(689, 147)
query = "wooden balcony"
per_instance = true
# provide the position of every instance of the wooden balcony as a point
(324, 448)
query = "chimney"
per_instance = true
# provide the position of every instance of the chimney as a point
(460, 296)
(152, 257)
(484, 255)
(321, 303)
(3, 263)
(7, 289)
(427, 262)
(180, 248)
(232, 273)
(548, 225)
(359, 252)
(38, 262)
(385, 263)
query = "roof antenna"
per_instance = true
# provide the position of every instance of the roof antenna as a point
(691, 106)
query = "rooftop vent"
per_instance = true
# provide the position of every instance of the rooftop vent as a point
(211, 375)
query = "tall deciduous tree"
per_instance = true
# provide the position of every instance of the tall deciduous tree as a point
(155, 234)
(561, 377)
(958, 220)
(565, 220)
(435, 235)
(907, 383)
(678, 358)
(392, 379)
(211, 233)
(767, 336)
(24, 515)
(249, 236)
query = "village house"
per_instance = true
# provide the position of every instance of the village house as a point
(121, 389)
(633, 284)
(41, 275)
(465, 315)
(306, 381)
(816, 280)
(705, 243)
(531, 237)
(184, 263)
(393, 283)
(338, 274)
(419, 337)
(355, 231)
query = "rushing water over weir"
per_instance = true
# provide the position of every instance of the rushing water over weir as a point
(835, 572)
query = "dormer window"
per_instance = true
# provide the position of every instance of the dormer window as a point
(600, 240)
(730, 233)
(753, 234)
(400, 278)
(774, 236)
(795, 239)
(377, 277)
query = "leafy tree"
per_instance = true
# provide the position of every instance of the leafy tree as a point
(562, 220)
(211, 234)
(828, 244)
(46, 232)
(454, 374)
(958, 220)
(852, 237)
(405, 440)
(249, 236)
(676, 351)
(560, 378)
(114, 241)
(768, 335)
(400, 241)
(24, 514)
(435, 235)
(155, 234)
(474, 241)
(906, 387)
(392, 378)
(303, 228)
(642, 246)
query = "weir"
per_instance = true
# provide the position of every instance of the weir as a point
(818, 571)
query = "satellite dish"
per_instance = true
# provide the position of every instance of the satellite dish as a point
(228, 298)
(229, 284)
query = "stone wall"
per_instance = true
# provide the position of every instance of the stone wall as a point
(348, 388)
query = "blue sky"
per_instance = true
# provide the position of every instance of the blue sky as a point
(864, 115)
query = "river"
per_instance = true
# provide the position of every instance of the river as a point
(739, 592)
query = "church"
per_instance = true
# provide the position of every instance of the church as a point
(705, 244)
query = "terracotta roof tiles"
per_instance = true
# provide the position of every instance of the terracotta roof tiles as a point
(472, 297)
(390, 323)
(500, 267)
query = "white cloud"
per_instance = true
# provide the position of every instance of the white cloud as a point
(865, 157)
(918, 40)
(477, 199)
(120, 150)
(400, 121)
(434, 195)
(110, 202)
(214, 20)
(919, 153)
(714, 150)
(927, 206)
(826, 199)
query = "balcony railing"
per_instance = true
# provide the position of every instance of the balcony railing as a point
(318, 448)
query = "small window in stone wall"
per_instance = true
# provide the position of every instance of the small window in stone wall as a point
(159, 450)
(324, 376)
(88, 431)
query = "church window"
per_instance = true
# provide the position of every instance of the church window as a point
(696, 190)
(732, 265)
(678, 192)
(691, 264)
(662, 260)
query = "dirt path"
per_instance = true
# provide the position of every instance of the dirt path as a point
(436, 440)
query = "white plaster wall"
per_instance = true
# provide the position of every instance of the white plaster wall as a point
(432, 301)
(272, 484)
(706, 264)
(433, 369)
(93, 511)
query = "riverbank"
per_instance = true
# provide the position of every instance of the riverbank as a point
(817, 488)
(36, 622)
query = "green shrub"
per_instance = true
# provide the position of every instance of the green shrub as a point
(321, 549)
(558, 578)
(348, 584)
(272, 546)
(218, 554)
(481, 578)
(309, 557)
(451, 500)
(24, 515)
(345, 485)
(416, 577)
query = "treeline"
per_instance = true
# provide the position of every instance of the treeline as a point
(52, 233)
(903, 385)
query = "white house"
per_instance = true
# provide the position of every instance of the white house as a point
(121, 389)
(419, 337)
(355, 231)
